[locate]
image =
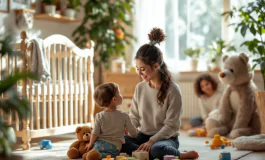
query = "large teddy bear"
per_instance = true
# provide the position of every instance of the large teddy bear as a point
(77, 149)
(237, 113)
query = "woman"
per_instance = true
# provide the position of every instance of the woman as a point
(156, 105)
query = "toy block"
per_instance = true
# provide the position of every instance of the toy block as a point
(108, 158)
(169, 157)
(225, 156)
(142, 155)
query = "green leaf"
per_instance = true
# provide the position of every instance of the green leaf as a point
(261, 50)
(253, 30)
(243, 30)
(254, 66)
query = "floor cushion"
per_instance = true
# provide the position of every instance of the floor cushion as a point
(252, 143)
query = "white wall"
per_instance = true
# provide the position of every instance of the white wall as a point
(41, 28)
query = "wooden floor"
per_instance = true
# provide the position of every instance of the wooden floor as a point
(61, 144)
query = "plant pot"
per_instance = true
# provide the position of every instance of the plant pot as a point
(218, 62)
(260, 100)
(50, 9)
(194, 64)
(69, 12)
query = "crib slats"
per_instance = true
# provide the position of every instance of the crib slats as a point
(85, 73)
(80, 83)
(54, 77)
(65, 86)
(91, 90)
(30, 92)
(75, 93)
(49, 111)
(43, 111)
(9, 65)
(71, 110)
(60, 86)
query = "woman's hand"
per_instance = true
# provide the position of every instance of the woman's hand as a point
(146, 146)
(88, 147)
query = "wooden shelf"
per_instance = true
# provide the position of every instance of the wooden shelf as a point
(57, 18)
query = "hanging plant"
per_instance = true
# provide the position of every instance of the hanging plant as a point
(104, 22)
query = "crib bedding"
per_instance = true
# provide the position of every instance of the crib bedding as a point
(43, 89)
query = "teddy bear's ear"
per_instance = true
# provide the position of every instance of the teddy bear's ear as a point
(78, 129)
(243, 57)
(225, 57)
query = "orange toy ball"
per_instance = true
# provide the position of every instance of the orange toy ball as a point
(207, 142)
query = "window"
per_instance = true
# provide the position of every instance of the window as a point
(186, 23)
(237, 37)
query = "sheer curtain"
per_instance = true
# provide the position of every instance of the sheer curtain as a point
(162, 14)
(148, 14)
(187, 23)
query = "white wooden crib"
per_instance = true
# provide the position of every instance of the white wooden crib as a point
(61, 104)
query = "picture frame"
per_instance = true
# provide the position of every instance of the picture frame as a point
(4, 6)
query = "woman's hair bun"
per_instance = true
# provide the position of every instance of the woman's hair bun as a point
(156, 36)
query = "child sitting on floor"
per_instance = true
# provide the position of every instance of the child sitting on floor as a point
(206, 89)
(107, 134)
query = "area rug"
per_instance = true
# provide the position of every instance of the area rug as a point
(61, 144)
(205, 152)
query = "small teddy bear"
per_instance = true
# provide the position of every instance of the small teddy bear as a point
(237, 113)
(77, 149)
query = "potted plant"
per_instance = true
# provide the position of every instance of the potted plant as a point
(72, 7)
(217, 49)
(194, 54)
(251, 19)
(10, 101)
(107, 24)
(50, 6)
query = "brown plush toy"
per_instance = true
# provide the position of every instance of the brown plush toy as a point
(237, 114)
(77, 149)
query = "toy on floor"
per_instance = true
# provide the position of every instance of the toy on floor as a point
(124, 154)
(237, 112)
(142, 155)
(219, 142)
(45, 144)
(107, 158)
(225, 141)
(124, 158)
(77, 149)
(200, 132)
(225, 156)
(170, 157)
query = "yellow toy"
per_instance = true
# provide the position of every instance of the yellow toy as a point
(219, 142)
(199, 132)
(216, 142)
(108, 158)
(225, 141)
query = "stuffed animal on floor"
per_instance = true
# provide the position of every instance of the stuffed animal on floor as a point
(77, 149)
(250, 143)
(237, 113)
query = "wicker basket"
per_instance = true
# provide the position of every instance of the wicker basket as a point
(260, 99)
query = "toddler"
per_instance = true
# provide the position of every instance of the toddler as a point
(206, 89)
(107, 134)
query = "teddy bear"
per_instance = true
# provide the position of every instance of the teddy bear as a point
(77, 149)
(237, 113)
